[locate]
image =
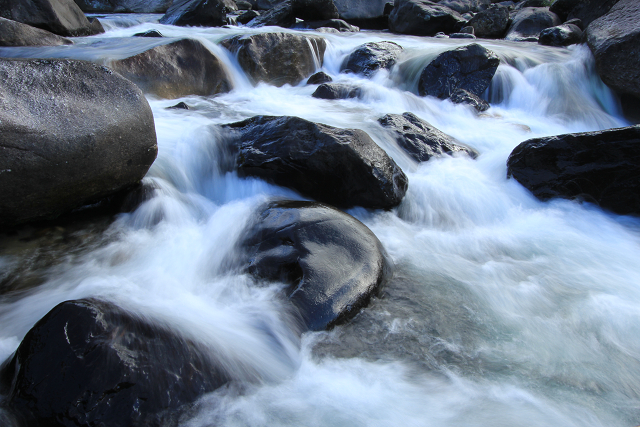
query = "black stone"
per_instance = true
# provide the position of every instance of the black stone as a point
(319, 78)
(337, 91)
(423, 18)
(246, 17)
(371, 57)
(179, 106)
(461, 96)
(196, 13)
(150, 33)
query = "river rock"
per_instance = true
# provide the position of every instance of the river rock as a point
(14, 33)
(124, 6)
(342, 167)
(174, 70)
(529, 22)
(337, 91)
(332, 263)
(338, 24)
(277, 58)
(71, 132)
(469, 67)
(585, 10)
(360, 10)
(461, 96)
(491, 23)
(423, 18)
(319, 78)
(315, 10)
(614, 40)
(420, 139)
(247, 16)
(196, 13)
(371, 57)
(280, 15)
(149, 33)
(599, 167)
(562, 35)
(62, 17)
(90, 363)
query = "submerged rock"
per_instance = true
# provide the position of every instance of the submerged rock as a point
(14, 33)
(62, 17)
(420, 139)
(527, 24)
(371, 57)
(196, 13)
(461, 96)
(599, 167)
(423, 18)
(342, 167)
(71, 132)
(332, 262)
(277, 58)
(337, 91)
(89, 363)
(150, 33)
(562, 35)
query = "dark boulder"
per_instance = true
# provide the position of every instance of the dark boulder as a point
(461, 96)
(315, 10)
(527, 24)
(247, 16)
(577, 22)
(150, 33)
(491, 23)
(196, 13)
(280, 15)
(90, 363)
(530, 3)
(469, 67)
(174, 70)
(371, 57)
(244, 5)
(337, 91)
(277, 58)
(71, 132)
(585, 10)
(562, 8)
(614, 40)
(360, 10)
(420, 139)
(179, 106)
(338, 24)
(62, 17)
(562, 35)
(342, 167)
(332, 262)
(319, 78)
(14, 33)
(423, 18)
(124, 6)
(599, 167)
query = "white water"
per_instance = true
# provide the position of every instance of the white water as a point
(504, 311)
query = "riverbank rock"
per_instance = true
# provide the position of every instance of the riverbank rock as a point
(61, 17)
(277, 58)
(562, 35)
(371, 57)
(71, 133)
(611, 38)
(469, 67)
(88, 363)
(196, 13)
(599, 167)
(14, 33)
(337, 91)
(527, 24)
(332, 262)
(124, 6)
(342, 167)
(423, 18)
(420, 139)
(184, 67)
(491, 23)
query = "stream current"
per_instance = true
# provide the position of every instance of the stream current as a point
(503, 310)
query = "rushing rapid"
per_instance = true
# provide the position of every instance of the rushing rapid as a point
(503, 310)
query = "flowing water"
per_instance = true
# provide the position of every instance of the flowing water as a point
(503, 311)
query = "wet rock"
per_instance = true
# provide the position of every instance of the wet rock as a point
(527, 24)
(423, 18)
(124, 6)
(585, 10)
(332, 262)
(337, 24)
(337, 91)
(174, 70)
(599, 167)
(319, 78)
(179, 106)
(420, 139)
(315, 10)
(280, 15)
(342, 167)
(71, 133)
(491, 23)
(461, 36)
(277, 58)
(461, 96)
(89, 363)
(246, 17)
(62, 17)
(196, 13)
(612, 38)
(469, 67)
(14, 33)
(562, 35)
(360, 10)
(371, 57)
(150, 33)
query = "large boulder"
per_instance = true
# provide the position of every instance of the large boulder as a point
(420, 139)
(529, 22)
(277, 58)
(359, 10)
(342, 167)
(90, 363)
(284, 14)
(468, 67)
(281, 15)
(423, 18)
(614, 40)
(599, 167)
(124, 6)
(585, 10)
(71, 132)
(184, 67)
(62, 17)
(332, 262)
(491, 23)
(562, 35)
(196, 13)
(371, 57)
(14, 33)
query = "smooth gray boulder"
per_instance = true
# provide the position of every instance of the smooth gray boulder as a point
(277, 58)
(71, 133)
(423, 18)
(14, 33)
(371, 57)
(491, 23)
(62, 17)
(124, 6)
(174, 70)
(527, 24)
(197, 13)
(562, 35)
